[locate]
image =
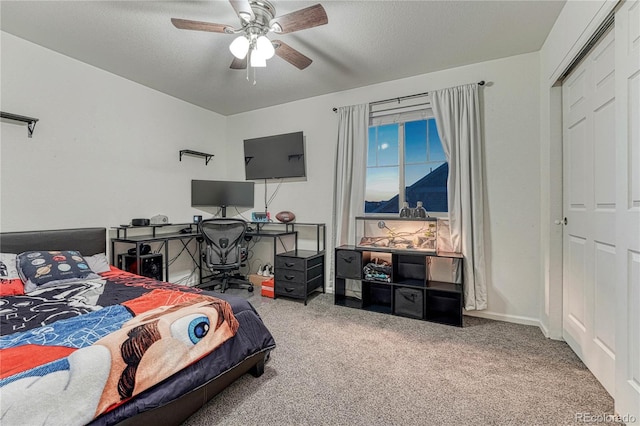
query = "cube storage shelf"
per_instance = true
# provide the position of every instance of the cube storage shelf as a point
(413, 284)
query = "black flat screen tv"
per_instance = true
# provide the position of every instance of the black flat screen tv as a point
(274, 157)
(221, 193)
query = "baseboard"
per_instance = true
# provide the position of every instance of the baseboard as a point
(516, 319)
(551, 335)
(544, 330)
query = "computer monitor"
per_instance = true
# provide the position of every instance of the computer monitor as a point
(222, 193)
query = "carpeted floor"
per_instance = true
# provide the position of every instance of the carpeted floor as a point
(341, 366)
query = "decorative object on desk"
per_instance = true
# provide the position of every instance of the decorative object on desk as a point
(140, 222)
(159, 219)
(260, 217)
(403, 234)
(405, 211)
(285, 216)
(419, 211)
(197, 218)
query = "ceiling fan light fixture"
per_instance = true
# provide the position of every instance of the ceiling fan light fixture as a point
(265, 47)
(257, 60)
(239, 47)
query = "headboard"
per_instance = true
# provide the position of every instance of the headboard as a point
(88, 241)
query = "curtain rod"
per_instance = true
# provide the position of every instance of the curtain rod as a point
(401, 98)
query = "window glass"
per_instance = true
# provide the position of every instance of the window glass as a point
(415, 134)
(436, 153)
(405, 163)
(381, 193)
(387, 145)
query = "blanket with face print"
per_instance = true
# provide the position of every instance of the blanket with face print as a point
(71, 353)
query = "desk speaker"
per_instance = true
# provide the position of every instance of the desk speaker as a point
(151, 265)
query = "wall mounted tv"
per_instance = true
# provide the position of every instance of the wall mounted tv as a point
(221, 193)
(274, 157)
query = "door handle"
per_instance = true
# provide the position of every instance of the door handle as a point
(561, 222)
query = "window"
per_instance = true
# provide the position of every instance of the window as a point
(405, 163)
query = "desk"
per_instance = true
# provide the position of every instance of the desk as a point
(164, 239)
(258, 231)
(298, 272)
(266, 229)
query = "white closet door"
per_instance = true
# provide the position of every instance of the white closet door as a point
(589, 198)
(627, 397)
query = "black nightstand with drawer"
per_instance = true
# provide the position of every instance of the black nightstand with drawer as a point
(298, 273)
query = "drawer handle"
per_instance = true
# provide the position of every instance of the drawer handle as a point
(348, 259)
(289, 290)
(289, 277)
(289, 265)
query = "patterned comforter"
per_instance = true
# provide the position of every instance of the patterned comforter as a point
(104, 350)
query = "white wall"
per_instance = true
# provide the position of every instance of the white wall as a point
(105, 149)
(511, 133)
(573, 28)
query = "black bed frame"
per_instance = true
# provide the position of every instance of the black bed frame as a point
(90, 241)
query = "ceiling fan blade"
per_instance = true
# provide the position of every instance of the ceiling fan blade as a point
(239, 64)
(186, 24)
(309, 17)
(291, 55)
(243, 9)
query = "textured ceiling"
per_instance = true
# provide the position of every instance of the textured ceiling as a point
(365, 42)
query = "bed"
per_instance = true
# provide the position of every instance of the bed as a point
(111, 347)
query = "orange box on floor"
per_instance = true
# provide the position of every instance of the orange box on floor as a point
(267, 288)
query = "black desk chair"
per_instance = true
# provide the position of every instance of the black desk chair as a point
(223, 254)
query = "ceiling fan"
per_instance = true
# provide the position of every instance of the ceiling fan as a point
(257, 19)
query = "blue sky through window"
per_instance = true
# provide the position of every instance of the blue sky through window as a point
(423, 154)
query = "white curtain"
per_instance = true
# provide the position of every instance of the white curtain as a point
(457, 114)
(350, 171)
(348, 198)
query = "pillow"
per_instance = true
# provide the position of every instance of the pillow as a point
(98, 263)
(40, 268)
(8, 270)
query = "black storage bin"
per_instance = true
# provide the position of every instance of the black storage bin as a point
(349, 264)
(409, 302)
(410, 267)
(444, 302)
